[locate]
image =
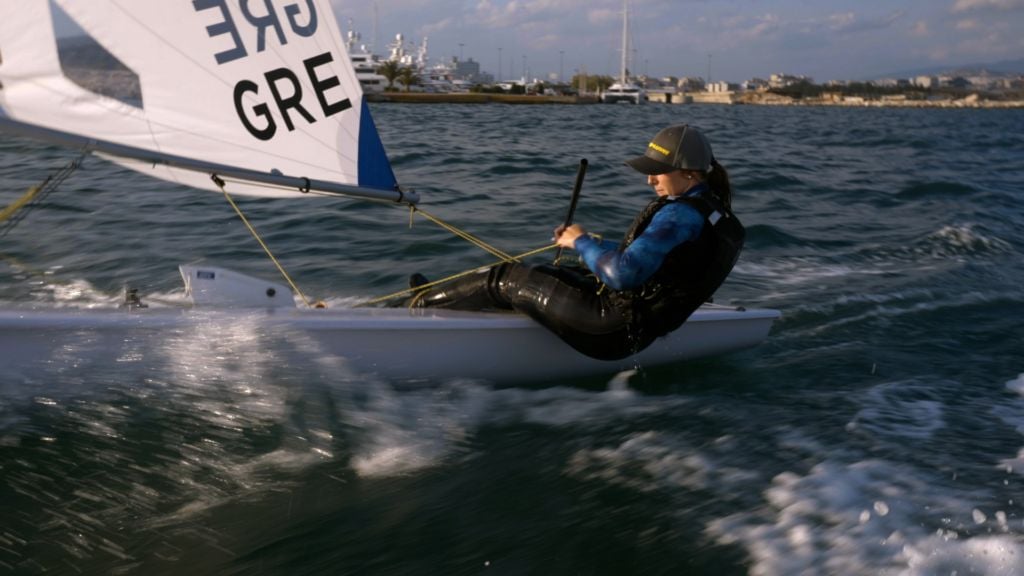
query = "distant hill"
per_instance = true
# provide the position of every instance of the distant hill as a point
(1007, 67)
(84, 52)
(90, 66)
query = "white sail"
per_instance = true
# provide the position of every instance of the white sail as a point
(262, 87)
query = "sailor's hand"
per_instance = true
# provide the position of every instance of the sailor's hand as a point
(566, 237)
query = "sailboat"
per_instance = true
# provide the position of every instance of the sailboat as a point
(264, 104)
(624, 89)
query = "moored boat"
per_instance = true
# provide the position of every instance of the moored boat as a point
(625, 90)
(628, 93)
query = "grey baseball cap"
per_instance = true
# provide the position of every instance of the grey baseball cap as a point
(678, 147)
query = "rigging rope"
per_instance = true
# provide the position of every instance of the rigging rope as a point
(421, 287)
(466, 236)
(220, 184)
(413, 209)
(500, 254)
(13, 214)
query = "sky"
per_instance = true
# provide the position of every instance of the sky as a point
(737, 39)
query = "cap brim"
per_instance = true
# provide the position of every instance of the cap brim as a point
(645, 165)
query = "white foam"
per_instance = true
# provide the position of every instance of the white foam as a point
(1016, 385)
(797, 271)
(894, 305)
(74, 292)
(1012, 413)
(988, 555)
(391, 461)
(901, 410)
(869, 517)
(404, 431)
(652, 461)
(961, 238)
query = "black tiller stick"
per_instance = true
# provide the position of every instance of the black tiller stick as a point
(576, 189)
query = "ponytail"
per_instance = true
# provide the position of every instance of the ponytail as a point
(718, 181)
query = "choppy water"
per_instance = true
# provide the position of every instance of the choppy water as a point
(880, 429)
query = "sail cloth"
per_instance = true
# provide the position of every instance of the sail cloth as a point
(254, 85)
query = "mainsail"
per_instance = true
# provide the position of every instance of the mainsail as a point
(257, 91)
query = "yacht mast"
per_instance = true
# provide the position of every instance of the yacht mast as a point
(376, 24)
(625, 43)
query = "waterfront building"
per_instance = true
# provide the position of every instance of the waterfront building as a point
(785, 80)
(469, 70)
(688, 84)
(756, 84)
(926, 81)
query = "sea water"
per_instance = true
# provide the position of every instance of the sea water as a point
(878, 430)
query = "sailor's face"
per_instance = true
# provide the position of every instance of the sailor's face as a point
(672, 184)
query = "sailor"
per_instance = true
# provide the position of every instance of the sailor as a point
(675, 255)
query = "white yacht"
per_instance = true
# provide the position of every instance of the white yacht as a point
(625, 90)
(365, 63)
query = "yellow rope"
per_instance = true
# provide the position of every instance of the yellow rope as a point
(503, 256)
(34, 191)
(468, 237)
(263, 245)
(17, 204)
(424, 287)
(10, 216)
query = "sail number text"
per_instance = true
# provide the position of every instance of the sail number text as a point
(283, 83)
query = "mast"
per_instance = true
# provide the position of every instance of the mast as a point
(625, 43)
(376, 26)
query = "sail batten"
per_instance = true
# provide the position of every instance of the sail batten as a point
(253, 94)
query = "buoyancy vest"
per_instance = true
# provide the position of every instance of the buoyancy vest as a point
(690, 273)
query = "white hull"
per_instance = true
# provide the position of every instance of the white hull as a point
(390, 343)
(622, 99)
(624, 93)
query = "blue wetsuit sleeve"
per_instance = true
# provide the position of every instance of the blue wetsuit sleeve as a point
(676, 223)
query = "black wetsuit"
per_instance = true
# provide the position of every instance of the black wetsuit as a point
(601, 321)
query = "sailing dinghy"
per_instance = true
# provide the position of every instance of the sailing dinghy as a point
(260, 99)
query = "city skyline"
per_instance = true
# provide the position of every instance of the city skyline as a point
(734, 40)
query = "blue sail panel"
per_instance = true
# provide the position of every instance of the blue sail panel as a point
(374, 166)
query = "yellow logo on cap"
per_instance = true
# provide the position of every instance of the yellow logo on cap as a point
(659, 148)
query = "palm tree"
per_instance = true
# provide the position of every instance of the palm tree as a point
(408, 76)
(585, 83)
(602, 82)
(390, 70)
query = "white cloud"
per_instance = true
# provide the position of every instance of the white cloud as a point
(602, 16)
(841, 21)
(436, 27)
(968, 5)
(516, 12)
(750, 28)
(968, 24)
(920, 29)
(848, 22)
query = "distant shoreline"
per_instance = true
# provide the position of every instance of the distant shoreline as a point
(972, 101)
(893, 101)
(474, 98)
(123, 85)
